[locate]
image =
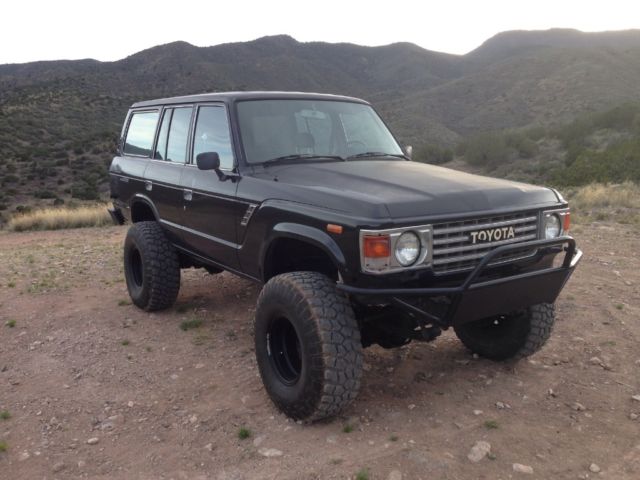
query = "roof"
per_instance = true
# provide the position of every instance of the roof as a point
(230, 97)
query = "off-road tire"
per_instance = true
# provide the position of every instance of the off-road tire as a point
(515, 336)
(307, 305)
(151, 267)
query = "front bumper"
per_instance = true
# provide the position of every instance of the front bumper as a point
(478, 297)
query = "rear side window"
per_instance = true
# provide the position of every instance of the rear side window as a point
(179, 135)
(140, 134)
(161, 147)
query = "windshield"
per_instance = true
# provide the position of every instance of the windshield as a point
(311, 129)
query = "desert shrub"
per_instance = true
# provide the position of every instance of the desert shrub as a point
(522, 144)
(616, 164)
(486, 149)
(23, 209)
(60, 218)
(44, 194)
(84, 190)
(428, 153)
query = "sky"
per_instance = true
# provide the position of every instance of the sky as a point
(63, 29)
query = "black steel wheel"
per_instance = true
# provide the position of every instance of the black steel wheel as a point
(307, 345)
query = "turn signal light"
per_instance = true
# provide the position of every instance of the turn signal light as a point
(333, 228)
(566, 223)
(377, 247)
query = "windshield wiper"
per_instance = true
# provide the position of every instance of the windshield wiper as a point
(300, 156)
(377, 154)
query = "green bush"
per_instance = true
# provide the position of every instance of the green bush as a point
(428, 153)
(616, 164)
(487, 149)
(44, 194)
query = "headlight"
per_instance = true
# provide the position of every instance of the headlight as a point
(551, 226)
(407, 248)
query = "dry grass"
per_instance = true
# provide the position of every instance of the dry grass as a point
(620, 203)
(61, 218)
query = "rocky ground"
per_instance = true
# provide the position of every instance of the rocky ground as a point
(91, 387)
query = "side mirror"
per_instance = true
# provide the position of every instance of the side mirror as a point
(208, 161)
(408, 151)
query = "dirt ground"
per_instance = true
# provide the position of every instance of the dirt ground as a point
(95, 388)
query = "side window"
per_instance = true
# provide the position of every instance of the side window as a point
(179, 135)
(212, 135)
(161, 147)
(140, 134)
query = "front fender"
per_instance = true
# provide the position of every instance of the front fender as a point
(311, 235)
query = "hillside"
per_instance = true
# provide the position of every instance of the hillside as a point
(59, 120)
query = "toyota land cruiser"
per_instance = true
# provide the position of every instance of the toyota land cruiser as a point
(355, 244)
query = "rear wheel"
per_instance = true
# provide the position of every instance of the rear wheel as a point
(151, 267)
(307, 345)
(516, 335)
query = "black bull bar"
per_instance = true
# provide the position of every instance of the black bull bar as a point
(473, 299)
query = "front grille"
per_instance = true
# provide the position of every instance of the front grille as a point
(453, 249)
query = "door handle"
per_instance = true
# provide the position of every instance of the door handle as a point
(148, 186)
(188, 195)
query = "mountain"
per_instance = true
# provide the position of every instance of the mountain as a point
(59, 119)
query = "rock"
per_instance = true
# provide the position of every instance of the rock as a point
(479, 451)
(412, 406)
(594, 468)
(269, 452)
(258, 440)
(193, 419)
(130, 404)
(58, 467)
(81, 464)
(477, 412)
(502, 405)
(636, 398)
(518, 467)
(595, 361)
(24, 456)
(578, 407)
(209, 447)
(93, 440)
(633, 416)
(395, 475)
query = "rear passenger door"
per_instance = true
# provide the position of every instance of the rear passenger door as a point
(164, 173)
(210, 206)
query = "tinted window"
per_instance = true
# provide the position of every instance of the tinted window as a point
(212, 135)
(142, 129)
(179, 135)
(161, 147)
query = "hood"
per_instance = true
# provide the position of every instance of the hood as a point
(400, 189)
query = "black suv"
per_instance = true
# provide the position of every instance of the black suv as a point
(312, 196)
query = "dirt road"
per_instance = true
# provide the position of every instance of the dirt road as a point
(94, 388)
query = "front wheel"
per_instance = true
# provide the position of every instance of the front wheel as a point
(308, 345)
(513, 336)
